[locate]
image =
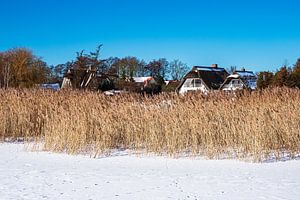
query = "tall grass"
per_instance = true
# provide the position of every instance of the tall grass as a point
(255, 124)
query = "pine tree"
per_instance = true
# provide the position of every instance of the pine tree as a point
(264, 80)
(295, 75)
(281, 78)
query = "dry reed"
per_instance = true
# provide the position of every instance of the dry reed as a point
(257, 124)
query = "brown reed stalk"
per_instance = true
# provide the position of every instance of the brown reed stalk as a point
(256, 124)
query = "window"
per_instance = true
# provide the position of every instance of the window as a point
(235, 82)
(193, 82)
(197, 83)
(188, 83)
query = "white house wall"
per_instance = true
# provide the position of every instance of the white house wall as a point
(186, 88)
(232, 87)
(66, 83)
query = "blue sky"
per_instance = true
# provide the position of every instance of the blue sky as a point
(257, 35)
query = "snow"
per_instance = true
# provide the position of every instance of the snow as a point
(233, 76)
(245, 74)
(44, 175)
(211, 69)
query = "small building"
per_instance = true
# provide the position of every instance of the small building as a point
(78, 78)
(240, 80)
(144, 81)
(81, 78)
(204, 79)
(146, 85)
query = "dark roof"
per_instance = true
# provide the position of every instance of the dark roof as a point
(213, 77)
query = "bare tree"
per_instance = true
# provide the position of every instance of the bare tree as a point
(178, 69)
(154, 68)
(141, 71)
(5, 72)
(20, 68)
(164, 67)
(231, 69)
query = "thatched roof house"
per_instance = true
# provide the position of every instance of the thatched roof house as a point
(81, 78)
(240, 80)
(202, 78)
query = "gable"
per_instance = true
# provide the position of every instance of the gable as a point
(212, 77)
(249, 78)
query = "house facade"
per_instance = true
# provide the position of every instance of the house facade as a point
(204, 79)
(240, 80)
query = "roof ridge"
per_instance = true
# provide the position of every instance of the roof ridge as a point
(208, 67)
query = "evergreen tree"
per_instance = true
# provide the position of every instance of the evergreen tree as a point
(281, 78)
(295, 75)
(178, 69)
(264, 80)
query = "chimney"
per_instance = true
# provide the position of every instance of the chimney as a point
(214, 65)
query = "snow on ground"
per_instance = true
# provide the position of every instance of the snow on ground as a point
(44, 175)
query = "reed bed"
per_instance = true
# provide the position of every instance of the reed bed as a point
(256, 124)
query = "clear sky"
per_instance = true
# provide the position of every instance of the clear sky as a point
(257, 35)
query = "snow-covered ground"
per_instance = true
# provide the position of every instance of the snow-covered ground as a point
(44, 175)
